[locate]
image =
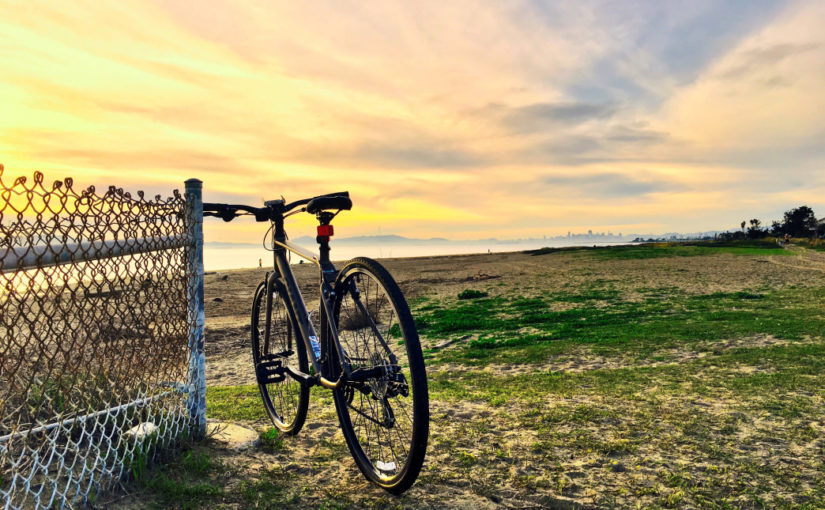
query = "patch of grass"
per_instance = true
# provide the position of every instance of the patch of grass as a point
(172, 492)
(183, 482)
(611, 325)
(673, 249)
(268, 491)
(197, 463)
(796, 367)
(241, 403)
(271, 441)
(466, 459)
(472, 294)
(471, 316)
(656, 250)
(692, 410)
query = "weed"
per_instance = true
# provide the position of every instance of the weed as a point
(270, 440)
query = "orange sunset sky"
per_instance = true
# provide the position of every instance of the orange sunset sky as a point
(455, 119)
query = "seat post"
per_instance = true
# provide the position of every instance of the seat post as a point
(324, 233)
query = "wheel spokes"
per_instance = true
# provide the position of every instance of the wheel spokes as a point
(283, 396)
(380, 418)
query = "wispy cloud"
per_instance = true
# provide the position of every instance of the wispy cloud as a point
(609, 185)
(539, 117)
(757, 60)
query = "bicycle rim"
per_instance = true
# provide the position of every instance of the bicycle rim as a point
(286, 401)
(385, 419)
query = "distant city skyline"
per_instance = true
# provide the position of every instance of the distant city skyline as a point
(462, 119)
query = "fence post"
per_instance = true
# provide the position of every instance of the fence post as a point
(196, 403)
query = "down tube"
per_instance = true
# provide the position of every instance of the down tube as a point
(297, 307)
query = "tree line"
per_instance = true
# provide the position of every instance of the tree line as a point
(798, 222)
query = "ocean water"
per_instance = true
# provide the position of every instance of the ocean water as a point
(216, 258)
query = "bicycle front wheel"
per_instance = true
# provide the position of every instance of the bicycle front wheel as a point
(384, 419)
(286, 401)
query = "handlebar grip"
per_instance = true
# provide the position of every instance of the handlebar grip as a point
(228, 212)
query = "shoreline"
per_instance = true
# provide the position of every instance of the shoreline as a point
(218, 258)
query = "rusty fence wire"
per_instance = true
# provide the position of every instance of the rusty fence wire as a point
(97, 370)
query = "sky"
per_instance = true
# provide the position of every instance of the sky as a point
(458, 119)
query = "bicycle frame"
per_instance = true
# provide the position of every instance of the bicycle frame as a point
(297, 310)
(271, 370)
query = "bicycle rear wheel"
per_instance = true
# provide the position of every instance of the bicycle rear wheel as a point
(385, 420)
(286, 401)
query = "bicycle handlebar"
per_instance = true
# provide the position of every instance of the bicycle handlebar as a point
(271, 210)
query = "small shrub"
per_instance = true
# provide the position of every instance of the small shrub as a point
(270, 441)
(472, 294)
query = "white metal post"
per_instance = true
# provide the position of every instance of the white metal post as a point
(196, 403)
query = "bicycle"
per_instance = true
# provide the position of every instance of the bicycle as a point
(368, 352)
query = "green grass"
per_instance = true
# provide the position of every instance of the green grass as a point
(796, 366)
(682, 249)
(472, 294)
(188, 481)
(605, 322)
(235, 403)
(271, 441)
(267, 491)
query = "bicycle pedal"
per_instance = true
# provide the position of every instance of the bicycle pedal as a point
(270, 372)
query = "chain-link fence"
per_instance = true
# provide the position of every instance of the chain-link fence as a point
(100, 329)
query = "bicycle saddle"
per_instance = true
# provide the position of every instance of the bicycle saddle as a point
(328, 203)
